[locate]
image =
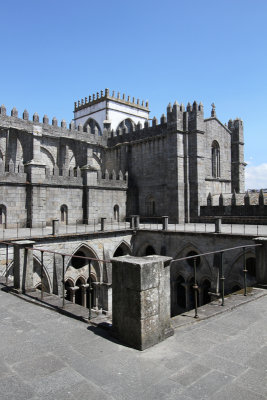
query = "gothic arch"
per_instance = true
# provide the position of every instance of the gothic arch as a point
(94, 127)
(142, 249)
(95, 264)
(47, 158)
(203, 268)
(122, 249)
(128, 123)
(37, 275)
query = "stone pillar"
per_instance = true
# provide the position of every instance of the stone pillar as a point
(84, 294)
(132, 218)
(137, 222)
(103, 224)
(218, 225)
(23, 266)
(165, 221)
(141, 300)
(55, 226)
(261, 260)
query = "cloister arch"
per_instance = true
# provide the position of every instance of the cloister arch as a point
(122, 249)
(78, 271)
(47, 285)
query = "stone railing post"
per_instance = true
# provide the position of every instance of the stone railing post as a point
(23, 266)
(141, 300)
(261, 260)
(165, 222)
(137, 222)
(103, 224)
(218, 225)
(132, 219)
(55, 226)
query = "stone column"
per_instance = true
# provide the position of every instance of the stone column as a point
(55, 227)
(218, 225)
(84, 294)
(261, 260)
(23, 266)
(137, 222)
(165, 221)
(132, 218)
(141, 300)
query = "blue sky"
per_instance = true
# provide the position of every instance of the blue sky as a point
(56, 52)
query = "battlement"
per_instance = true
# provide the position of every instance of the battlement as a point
(238, 199)
(12, 172)
(105, 95)
(60, 130)
(112, 179)
(63, 176)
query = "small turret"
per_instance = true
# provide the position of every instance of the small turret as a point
(25, 115)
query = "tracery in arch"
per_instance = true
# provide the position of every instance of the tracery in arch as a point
(128, 124)
(94, 127)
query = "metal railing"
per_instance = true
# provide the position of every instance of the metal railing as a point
(221, 269)
(63, 255)
(77, 227)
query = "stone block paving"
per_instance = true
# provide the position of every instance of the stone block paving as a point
(46, 355)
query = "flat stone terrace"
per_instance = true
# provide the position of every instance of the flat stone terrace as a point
(45, 355)
(235, 229)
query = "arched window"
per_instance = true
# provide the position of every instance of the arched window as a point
(64, 214)
(3, 215)
(128, 124)
(150, 206)
(94, 127)
(116, 211)
(215, 159)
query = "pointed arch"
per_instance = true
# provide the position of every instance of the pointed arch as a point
(47, 285)
(94, 127)
(126, 123)
(122, 249)
(47, 158)
(86, 251)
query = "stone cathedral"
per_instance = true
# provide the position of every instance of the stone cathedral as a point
(113, 161)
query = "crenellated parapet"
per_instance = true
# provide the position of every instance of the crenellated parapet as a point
(237, 199)
(112, 179)
(12, 172)
(98, 97)
(43, 126)
(63, 176)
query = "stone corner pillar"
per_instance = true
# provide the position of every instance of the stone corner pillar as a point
(261, 260)
(141, 300)
(23, 265)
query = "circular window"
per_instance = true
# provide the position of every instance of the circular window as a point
(190, 261)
